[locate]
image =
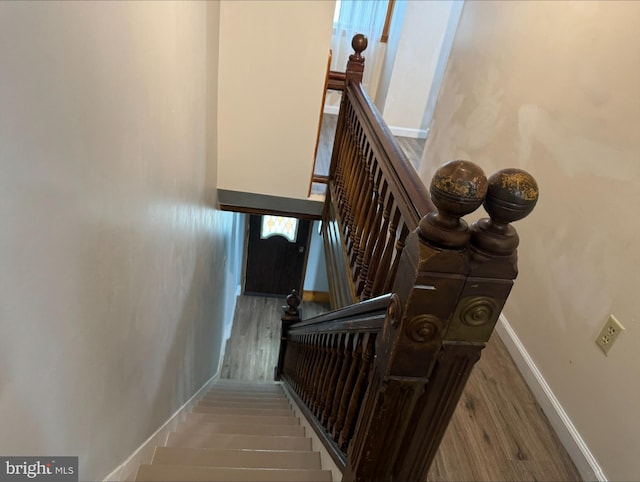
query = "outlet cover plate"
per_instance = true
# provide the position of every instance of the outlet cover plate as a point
(609, 334)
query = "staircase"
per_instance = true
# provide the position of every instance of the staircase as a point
(238, 431)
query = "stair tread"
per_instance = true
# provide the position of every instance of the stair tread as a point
(240, 458)
(278, 412)
(246, 401)
(230, 418)
(244, 396)
(178, 473)
(242, 428)
(237, 441)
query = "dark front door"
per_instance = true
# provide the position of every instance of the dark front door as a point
(276, 254)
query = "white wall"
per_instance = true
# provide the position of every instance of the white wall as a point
(552, 87)
(111, 263)
(273, 60)
(316, 275)
(421, 41)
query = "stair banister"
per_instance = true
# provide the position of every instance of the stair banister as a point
(418, 294)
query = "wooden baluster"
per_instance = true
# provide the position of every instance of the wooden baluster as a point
(325, 388)
(359, 199)
(404, 231)
(316, 354)
(292, 369)
(363, 200)
(301, 365)
(378, 248)
(353, 187)
(322, 371)
(308, 365)
(345, 398)
(349, 348)
(377, 209)
(345, 156)
(320, 367)
(359, 389)
(385, 261)
(350, 166)
(289, 360)
(366, 223)
(333, 381)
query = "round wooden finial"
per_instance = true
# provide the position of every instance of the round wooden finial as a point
(457, 188)
(293, 301)
(512, 195)
(359, 43)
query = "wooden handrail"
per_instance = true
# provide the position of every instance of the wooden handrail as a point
(418, 290)
(394, 162)
(329, 391)
(361, 317)
(336, 80)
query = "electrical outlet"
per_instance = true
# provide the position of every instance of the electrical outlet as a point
(609, 334)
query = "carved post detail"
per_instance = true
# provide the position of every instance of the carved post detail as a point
(431, 275)
(355, 64)
(355, 69)
(290, 315)
(511, 195)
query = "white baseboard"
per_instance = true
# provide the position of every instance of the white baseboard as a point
(407, 132)
(576, 447)
(143, 454)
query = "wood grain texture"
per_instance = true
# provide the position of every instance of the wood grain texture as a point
(411, 147)
(251, 352)
(498, 431)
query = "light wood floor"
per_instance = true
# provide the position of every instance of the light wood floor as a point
(498, 432)
(412, 148)
(252, 350)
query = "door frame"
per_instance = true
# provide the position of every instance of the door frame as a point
(260, 212)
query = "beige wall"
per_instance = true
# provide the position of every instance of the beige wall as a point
(110, 262)
(553, 87)
(273, 60)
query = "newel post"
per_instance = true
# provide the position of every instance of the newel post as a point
(451, 285)
(354, 72)
(492, 267)
(290, 315)
(355, 64)
(431, 275)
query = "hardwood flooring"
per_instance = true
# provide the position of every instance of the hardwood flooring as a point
(251, 352)
(412, 148)
(498, 432)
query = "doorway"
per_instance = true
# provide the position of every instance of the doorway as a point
(276, 254)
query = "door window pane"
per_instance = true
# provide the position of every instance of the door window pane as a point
(281, 226)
